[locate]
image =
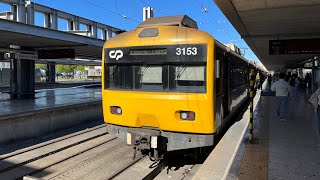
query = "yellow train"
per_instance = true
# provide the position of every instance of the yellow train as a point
(169, 86)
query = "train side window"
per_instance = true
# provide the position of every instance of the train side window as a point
(238, 76)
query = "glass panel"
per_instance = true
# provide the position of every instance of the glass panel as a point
(190, 78)
(184, 78)
(149, 78)
(120, 77)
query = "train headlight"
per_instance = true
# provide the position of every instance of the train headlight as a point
(187, 115)
(115, 110)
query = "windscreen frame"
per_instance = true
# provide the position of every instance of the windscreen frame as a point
(129, 81)
(165, 55)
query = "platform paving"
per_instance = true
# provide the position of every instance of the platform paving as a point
(282, 150)
(50, 98)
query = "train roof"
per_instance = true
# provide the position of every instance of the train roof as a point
(179, 20)
(219, 44)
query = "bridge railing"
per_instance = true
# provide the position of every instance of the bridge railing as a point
(23, 11)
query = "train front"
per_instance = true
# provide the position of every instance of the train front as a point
(158, 88)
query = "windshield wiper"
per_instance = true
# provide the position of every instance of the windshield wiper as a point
(181, 70)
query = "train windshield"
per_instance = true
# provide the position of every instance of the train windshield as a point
(176, 78)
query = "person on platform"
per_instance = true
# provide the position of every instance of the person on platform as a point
(269, 79)
(308, 80)
(314, 101)
(294, 84)
(261, 80)
(281, 87)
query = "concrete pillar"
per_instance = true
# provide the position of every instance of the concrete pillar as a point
(54, 20)
(109, 33)
(51, 72)
(20, 12)
(22, 83)
(300, 72)
(47, 20)
(70, 25)
(94, 31)
(313, 76)
(76, 24)
(30, 13)
(104, 34)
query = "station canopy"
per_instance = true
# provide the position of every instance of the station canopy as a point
(281, 33)
(39, 38)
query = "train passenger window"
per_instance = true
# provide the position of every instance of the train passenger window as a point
(238, 77)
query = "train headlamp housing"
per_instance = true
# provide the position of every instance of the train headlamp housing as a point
(187, 115)
(115, 110)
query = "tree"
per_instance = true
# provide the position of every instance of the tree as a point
(41, 66)
(69, 68)
(80, 68)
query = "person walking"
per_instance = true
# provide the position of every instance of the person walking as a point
(261, 80)
(281, 87)
(294, 83)
(308, 80)
(269, 79)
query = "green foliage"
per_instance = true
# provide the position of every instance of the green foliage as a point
(69, 68)
(80, 68)
(41, 66)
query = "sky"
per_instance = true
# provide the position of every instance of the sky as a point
(111, 12)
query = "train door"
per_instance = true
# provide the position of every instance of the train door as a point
(220, 87)
(226, 84)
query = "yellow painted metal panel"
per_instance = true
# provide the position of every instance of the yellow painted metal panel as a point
(161, 109)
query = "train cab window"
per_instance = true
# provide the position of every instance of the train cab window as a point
(176, 78)
(149, 78)
(190, 78)
(120, 77)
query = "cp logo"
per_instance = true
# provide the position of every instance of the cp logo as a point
(116, 54)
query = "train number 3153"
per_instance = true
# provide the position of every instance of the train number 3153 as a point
(187, 51)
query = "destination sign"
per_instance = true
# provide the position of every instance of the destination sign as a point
(188, 53)
(161, 51)
(294, 46)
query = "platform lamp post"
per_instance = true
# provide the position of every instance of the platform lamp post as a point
(252, 81)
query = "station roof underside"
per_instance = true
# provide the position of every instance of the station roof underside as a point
(260, 21)
(37, 38)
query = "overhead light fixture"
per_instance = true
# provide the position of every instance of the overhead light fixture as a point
(15, 47)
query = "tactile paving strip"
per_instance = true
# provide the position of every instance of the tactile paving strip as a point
(254, 165)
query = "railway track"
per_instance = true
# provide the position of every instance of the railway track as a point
(88, 154)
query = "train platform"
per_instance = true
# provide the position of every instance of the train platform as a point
(51, 110)
(280, 150)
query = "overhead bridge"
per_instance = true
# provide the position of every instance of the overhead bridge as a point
(23, 42)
